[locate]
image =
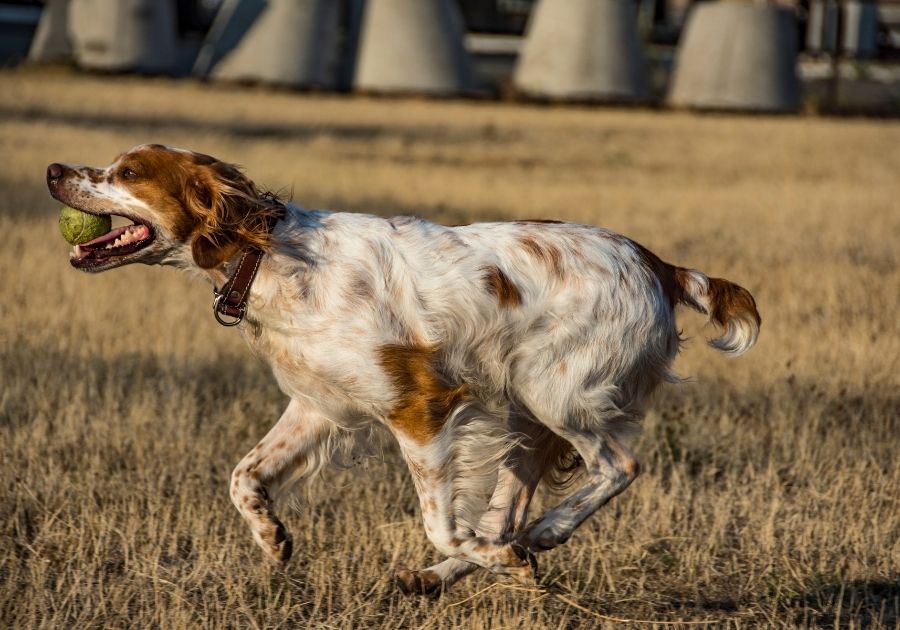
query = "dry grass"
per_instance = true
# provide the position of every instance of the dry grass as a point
(771, 495)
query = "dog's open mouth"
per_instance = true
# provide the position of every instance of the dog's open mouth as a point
(116, 244)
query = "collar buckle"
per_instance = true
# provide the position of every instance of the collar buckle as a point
(219, 310)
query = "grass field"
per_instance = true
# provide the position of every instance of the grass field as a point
(771, 491)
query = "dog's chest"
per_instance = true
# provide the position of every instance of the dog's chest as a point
(323, 364)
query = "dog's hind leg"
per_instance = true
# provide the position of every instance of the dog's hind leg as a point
(296, 447)
(433, 470)
(610, 468)
(507, 511)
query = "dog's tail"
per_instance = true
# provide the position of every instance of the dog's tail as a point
(728, 305)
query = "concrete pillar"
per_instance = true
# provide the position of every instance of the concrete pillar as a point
(413, 46)
(118, 35)
(582, 50)
(822, 26)
(229, 26)
(289, 42)
(51, 39)
(737, 56)
(860, 28)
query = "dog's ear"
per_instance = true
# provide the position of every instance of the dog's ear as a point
(213, 250)
(225, 203)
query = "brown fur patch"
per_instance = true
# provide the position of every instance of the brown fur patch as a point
(545, 252)
(728, 300)
(94, 175)
(422, 399)
(500, 286)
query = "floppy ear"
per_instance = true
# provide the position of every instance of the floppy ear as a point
(209, 250)
(220, 196)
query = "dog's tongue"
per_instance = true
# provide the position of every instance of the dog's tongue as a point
(118, 237)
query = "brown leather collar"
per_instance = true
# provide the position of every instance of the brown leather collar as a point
(231, 299)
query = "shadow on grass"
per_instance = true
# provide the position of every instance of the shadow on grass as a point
(215, 384)
(867, 603)
(282, 131)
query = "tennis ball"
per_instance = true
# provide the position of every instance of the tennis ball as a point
(79, 227)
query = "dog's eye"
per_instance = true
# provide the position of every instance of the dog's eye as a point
(128, 173)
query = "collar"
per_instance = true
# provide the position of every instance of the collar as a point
(231, 300)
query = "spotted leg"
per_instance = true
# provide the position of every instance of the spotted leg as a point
(291, 451)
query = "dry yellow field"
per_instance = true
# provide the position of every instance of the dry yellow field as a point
(771, 491)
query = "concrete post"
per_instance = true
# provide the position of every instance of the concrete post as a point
(582, 50)
(737, 56)
(118, 35)
(51, 39)
(413, 46)
(291, 42)
(821, 26)
(860, 28)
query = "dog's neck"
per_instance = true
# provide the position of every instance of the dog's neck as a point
(233, 280)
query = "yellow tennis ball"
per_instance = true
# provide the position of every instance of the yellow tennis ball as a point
(79, 227)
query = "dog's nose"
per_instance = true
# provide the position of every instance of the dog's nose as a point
(54, 172)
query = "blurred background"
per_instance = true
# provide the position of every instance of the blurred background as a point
(740, 55)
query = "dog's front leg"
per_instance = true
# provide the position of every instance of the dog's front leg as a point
(295, 448)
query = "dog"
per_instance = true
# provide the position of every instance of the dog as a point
(498, 355)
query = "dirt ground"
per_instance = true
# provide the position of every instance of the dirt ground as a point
(771, 487)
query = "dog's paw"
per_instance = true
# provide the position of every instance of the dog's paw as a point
(283, 548)
(277, 544)
(525, 571)
(423, 582)
(542, 538)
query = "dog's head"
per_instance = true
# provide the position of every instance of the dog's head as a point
(184, 206)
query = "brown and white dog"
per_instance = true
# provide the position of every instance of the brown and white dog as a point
(497, 354)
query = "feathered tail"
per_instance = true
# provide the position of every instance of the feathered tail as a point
(728, 305)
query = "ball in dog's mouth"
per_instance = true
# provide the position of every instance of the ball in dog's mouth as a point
(96, 243)
(79, 227)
